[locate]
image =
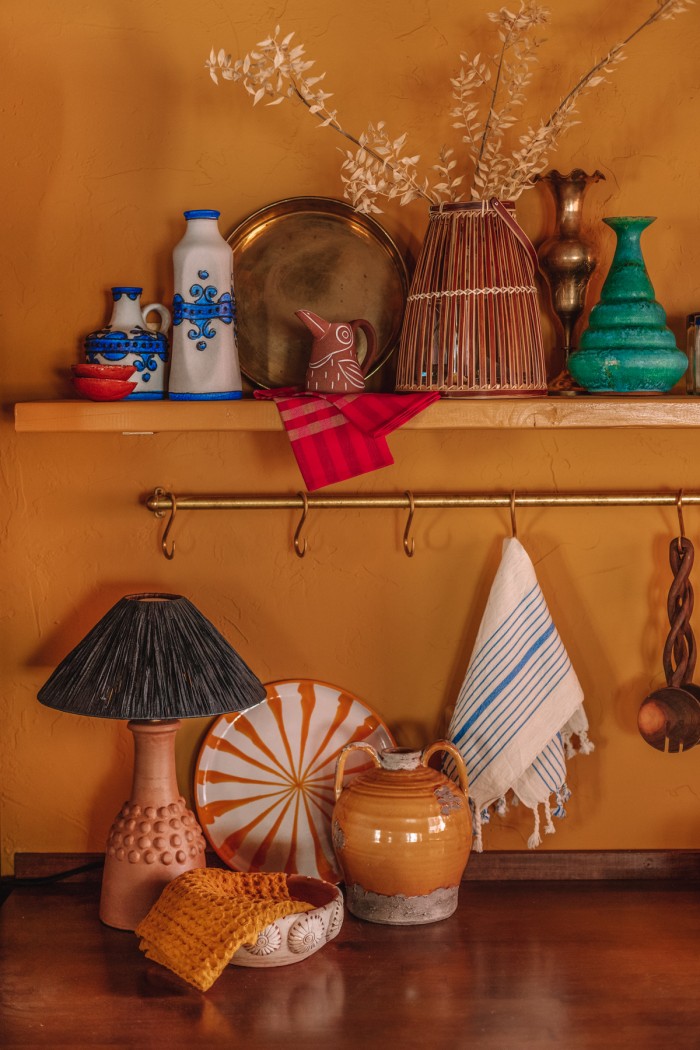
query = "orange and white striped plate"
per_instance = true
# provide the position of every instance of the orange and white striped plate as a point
(264, 777)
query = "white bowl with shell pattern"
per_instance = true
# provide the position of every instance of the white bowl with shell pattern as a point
(295, 937)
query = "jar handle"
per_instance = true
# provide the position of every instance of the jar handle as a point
(340, 765)
(445, 745)
(163, 313)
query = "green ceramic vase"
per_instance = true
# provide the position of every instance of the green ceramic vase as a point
(627, 347)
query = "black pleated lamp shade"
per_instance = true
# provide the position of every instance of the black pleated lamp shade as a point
(152, 656)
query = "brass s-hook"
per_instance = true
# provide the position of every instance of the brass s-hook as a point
(169, 554)
(679, 508)
(409, 544)
(513, 522)
(299, 549)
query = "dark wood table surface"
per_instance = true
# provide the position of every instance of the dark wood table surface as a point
(520, 965)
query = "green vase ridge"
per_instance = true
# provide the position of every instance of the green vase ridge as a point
(627, 347)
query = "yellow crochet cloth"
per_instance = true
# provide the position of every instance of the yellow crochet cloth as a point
(203, 917)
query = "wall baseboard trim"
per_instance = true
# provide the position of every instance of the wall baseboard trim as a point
(569, 865)
(493, 865)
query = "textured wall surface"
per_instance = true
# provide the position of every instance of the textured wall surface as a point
(110, 129)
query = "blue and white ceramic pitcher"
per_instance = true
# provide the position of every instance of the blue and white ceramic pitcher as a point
(127, 340)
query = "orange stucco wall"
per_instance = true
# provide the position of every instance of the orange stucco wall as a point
(110, 128)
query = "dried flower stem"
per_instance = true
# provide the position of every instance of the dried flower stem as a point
(533, 159)
(279, 70)
(377, 166)
(667, 9)
(364, 146)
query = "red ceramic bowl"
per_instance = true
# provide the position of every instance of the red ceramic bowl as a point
(103, 389)
(86, 371)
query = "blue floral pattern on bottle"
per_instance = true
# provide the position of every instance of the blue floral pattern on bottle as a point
(204, 308)
(204, 356)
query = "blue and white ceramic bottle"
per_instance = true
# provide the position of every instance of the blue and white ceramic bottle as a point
(127, 340)
(204, 364)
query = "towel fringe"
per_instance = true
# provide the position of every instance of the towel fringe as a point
(478, 843)
(501, 806)
(535, 839)
(548, 825)
(563, 795)
(585, 745)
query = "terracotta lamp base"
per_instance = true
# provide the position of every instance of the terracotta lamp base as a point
(154, 838)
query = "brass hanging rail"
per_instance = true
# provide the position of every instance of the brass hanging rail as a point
(161, 501)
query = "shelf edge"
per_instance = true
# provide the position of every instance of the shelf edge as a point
(581, 413)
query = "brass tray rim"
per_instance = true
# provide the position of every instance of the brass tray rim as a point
(336, 208)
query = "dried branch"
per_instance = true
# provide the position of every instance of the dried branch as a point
(539, 143)
(378, 167)
(278, 70)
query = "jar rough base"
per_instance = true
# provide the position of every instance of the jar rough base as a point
(400, 910)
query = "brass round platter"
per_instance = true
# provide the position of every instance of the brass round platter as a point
(312, 253)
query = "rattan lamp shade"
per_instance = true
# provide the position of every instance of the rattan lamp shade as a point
(152, 659)
(152, 656)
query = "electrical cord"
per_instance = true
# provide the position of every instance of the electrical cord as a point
(11, 883)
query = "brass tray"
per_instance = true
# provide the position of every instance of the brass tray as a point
(312, 253)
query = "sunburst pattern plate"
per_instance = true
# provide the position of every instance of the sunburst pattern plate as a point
(264, 777)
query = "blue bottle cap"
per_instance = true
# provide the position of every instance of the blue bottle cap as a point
(202, 213)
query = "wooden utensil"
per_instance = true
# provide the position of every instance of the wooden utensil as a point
(669, 718)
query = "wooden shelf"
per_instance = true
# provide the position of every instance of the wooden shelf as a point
(150, 417)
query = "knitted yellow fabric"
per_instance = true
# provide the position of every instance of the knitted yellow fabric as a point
(203, 917)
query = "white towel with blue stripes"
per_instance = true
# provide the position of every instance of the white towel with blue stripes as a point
(520, 703)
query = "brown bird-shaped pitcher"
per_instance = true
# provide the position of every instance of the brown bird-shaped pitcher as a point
(333, 367)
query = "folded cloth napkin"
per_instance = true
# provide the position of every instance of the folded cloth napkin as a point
(520, 703)
(203, 917)
(339, 436)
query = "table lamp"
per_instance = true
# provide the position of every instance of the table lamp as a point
(152, 659)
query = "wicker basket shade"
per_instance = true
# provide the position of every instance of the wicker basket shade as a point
(472, 321)
(152, 656)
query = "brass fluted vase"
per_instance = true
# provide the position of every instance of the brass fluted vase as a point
(567, 260)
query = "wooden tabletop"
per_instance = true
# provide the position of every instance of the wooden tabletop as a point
(519, 966)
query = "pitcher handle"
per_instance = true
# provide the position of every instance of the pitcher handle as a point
(372, 347)
(163, 313)
(340, 765)
(445, 745)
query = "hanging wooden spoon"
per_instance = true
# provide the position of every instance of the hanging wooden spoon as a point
(669, 718)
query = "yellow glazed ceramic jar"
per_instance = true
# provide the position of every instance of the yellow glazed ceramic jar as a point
(402, 835)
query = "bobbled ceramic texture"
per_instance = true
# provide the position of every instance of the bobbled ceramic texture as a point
(127, 340)
(402, 834)
(164, 835)
(627, 347)
(293, 938)
(204, 355)
(264, 781)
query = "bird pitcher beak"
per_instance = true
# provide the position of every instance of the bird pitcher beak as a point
(316, 325)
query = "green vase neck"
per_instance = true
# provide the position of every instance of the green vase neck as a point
(629, 229)
(628, 277)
